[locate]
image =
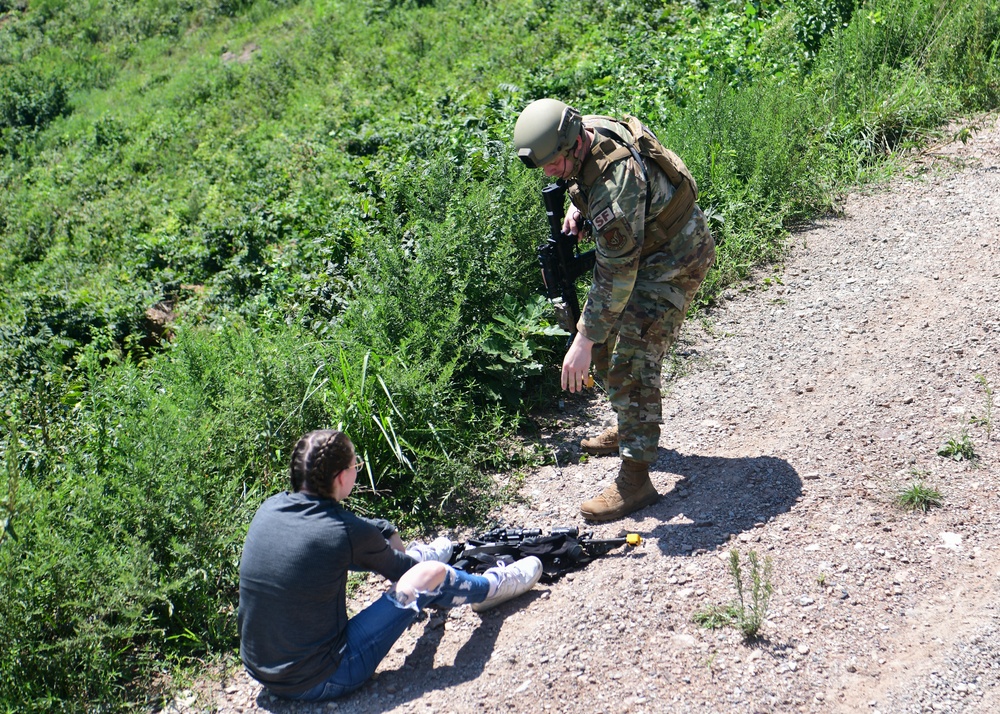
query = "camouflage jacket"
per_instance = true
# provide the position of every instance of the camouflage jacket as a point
(615, 205)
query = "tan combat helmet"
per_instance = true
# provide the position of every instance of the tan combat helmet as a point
(545, 129)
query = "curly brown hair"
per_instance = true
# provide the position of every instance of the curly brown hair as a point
(317, 458)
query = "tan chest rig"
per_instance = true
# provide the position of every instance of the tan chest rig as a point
(613, 146)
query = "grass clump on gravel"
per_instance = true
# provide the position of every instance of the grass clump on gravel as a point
(753, 596)
(919, 496)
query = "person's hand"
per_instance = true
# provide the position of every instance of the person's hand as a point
(573, 222)
(396, 543)
(576, 364)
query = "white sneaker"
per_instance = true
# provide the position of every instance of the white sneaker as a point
(438, 549)
(515, 579)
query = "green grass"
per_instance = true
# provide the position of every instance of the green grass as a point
(714, 617)
(959, 448)
(919, 496)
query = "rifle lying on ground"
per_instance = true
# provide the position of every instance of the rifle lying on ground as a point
(562, 550)
(561, 261)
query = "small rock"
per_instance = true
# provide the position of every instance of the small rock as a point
(951, 540)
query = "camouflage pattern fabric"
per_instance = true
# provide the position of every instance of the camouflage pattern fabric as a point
(636, 304)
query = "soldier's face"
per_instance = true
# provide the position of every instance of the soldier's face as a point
(558, 168)
(564, 165)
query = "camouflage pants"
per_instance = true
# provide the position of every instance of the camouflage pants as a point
(630, 363)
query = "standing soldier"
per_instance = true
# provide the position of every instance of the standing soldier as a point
(653, 252)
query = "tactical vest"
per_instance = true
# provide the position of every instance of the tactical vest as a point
(636, 140)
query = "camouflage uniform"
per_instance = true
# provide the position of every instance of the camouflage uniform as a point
(636, 302)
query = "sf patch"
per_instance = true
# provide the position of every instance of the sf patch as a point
(602, 219)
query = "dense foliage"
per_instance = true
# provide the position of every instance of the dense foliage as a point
(224, 223)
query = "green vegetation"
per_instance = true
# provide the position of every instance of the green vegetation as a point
(959, 448)
(319, 197)
(918, 496)
(714, 617)
(986, 420)
(753, 595)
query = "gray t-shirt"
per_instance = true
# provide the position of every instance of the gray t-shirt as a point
(293, 586)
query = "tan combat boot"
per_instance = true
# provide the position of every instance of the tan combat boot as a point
(631, 491)
(604, 444)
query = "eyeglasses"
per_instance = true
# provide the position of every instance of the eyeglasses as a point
(358, 463)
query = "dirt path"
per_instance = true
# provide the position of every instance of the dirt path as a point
(805, 406)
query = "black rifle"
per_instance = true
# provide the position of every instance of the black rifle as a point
(561, 550)
(561, 261)
(594, 547)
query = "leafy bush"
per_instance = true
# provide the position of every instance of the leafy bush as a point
(30, 100)
(447, 252)
(817, 19)
(959, 448)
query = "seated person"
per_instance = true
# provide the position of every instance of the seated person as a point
(295, 636)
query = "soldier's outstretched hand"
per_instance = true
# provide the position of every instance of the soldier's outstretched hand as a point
(576, 364)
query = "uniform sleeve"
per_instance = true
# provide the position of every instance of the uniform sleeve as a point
(616, 207)
(371, 551)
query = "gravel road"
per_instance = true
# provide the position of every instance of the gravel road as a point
(800, 408)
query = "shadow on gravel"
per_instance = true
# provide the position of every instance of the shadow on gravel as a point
(717, 497)
(417, 675)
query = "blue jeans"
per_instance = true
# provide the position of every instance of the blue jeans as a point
(372, 632)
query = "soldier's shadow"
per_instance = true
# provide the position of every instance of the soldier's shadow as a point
(712, 498)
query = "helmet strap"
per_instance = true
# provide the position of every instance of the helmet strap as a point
(574, 155)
